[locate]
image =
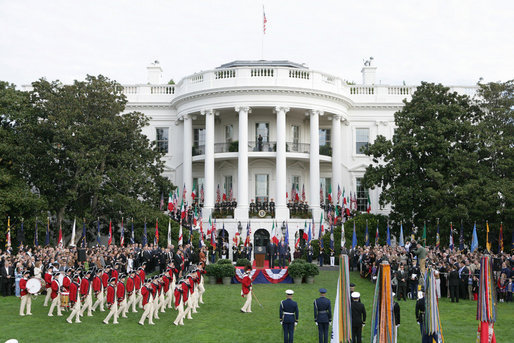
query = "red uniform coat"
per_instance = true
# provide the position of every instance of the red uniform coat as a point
(97, 285)
(137, 282)
(110, 295)
(66, 282)
(246, 284)
(120, 291)
(48, 280)
(146, 293)
(55, 289)
(166, 284)
(185, 291)
(105, 280)
(114, 274)
(177, 294)
(74, 287)
(142, 275)
(191, 284)
(130, 285)
(154, 289)
(84, 287)
(23, 287)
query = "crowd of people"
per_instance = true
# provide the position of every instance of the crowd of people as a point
(457, 272)
(111, 279)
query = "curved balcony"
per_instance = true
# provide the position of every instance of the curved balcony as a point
(262, 146)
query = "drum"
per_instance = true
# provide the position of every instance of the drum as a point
(65, 299)
(34, 286)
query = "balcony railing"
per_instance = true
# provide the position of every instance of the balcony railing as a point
(303, 148)
(226, 147)
(198, 150)
(325, 150)
(262, 146)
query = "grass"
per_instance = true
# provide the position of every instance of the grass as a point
(219, 319)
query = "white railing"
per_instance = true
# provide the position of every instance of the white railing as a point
(299, 74)
(225, 74)
(362, 90)
(262, 72)
(168, 89)
(196, 78)
(399, 90)
(129, 90)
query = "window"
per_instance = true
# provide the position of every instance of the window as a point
(229, 133)
(261, 187)
(228, 187)
(296, 137)
(199, 137)
(162, 139)
(324, 137)
(326, 184)
(361, 140)
(362, 196)
(262, 129)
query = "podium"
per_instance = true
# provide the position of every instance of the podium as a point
(260, 256)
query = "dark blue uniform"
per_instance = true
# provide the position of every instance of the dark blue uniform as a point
(322, 316)
(288, 317)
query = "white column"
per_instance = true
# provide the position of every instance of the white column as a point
(209, 163)
(281, 210)
(336, 155)
(241, 212)
(314, 163)
(188, 157)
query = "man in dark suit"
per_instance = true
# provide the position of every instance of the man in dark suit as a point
(288, 314)
(463, 284)
(358, 317)
(396, 313)
(453, 283)
(322, 315)
(282, 253)
(401, 276)
(7, 273)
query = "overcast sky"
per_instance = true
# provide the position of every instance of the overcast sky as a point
(452, 42)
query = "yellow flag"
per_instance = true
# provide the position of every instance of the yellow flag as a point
(487, 244)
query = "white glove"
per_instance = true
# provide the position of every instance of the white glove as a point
(398, 325)
(316, 323)
(295, 323)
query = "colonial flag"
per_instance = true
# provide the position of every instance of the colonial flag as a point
(487, 244)
(305, 234)
(59, 240)
(376, 236)
(382, 321)
(303, 192)
(36, 242)
(338, 194)
(169, 233)
(83, 238)
(274, 237)
(109, 242)
(486, 307)
(195, 217)
(72, 240)
(122, 235)
(47, 237)
(161, 204)
(451, 237)
(336, 214)
(366, 237)
(343, 238)
(8, 234)
(156, 237)
(474, 242)
(354, 237)
(132, 232)
(388, 237)
(144, 240)
(170, 203)
(500, 239)
(180, 236)
(264, 21)
(368, 208)
(401, 235)
(342, 328)
(218, 194)
(182, 210)
(437, 237)
(98, 231)
(209, 229)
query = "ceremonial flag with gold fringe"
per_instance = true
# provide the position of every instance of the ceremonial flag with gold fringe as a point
(8, 234)
(500, 240)
(432, 329)
(342, 328)
(486, 306)
(382, 321)
(487, 243)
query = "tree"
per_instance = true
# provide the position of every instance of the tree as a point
(431, 169)
(76, 147)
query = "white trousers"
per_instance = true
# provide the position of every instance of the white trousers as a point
(181, 313)
(56, 302)
(247, 307)
(113, 312)
(75, 312)
(26, 302)
(48, 296)
(99, 302)
(131, 302)
(148, 312)
(122, 308)
(88, 302)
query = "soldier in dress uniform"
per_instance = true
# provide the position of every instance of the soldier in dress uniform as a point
(358, 317)
(85, 295)
(246, 290)
(146, 295)
(112, 304)
(142, 276)
(26, 299)
(66, 281)
(289, 315)
(131, 291)
(55, 295)
(166, 291)
(48, 285)
(105, 283)
(155, 297)
(74, 300)
(98, 289)
(201, 288)
(178, 295)
(322, 315)
(420, 311)
(121, 295)
(138, 284)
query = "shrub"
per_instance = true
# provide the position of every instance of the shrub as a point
(243, 262)
(224, 261)
(227, 270)
(296, 270)
(213, 270)
(311, 269)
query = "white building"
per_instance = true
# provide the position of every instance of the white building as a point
(312, 125)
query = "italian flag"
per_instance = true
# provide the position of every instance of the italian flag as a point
(182, 210)
(369, 205)
(170, 203)
(274, 237)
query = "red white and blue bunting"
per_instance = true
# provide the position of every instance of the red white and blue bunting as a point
(264, 276)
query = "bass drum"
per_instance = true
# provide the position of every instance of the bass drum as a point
(34, 286)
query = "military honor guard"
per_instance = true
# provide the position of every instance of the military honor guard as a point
(112, 304)
(201, 288)
(86, 296)
(55, 295)
(322, 315)
(155, 296)
(165, 291)
(142, 276)
(48, 285)
(121, 296)
(138, 284)
(289, 315)
(179, 304)
(26, 300)
(184, 295)
(98, 289)
(191, 305)
(146, 300)
(105, 283)
(246, 290)
(131, 292)
(358, 317)
(75, 303)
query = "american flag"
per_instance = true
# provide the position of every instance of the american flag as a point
(339, 193)
(321, 193)
(184, 192)
(230, 196)
(264, 21)
(202, 195)
(303, 192)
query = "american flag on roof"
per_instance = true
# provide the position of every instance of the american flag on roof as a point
(264, 21)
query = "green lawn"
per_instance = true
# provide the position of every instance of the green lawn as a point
(219, 319)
